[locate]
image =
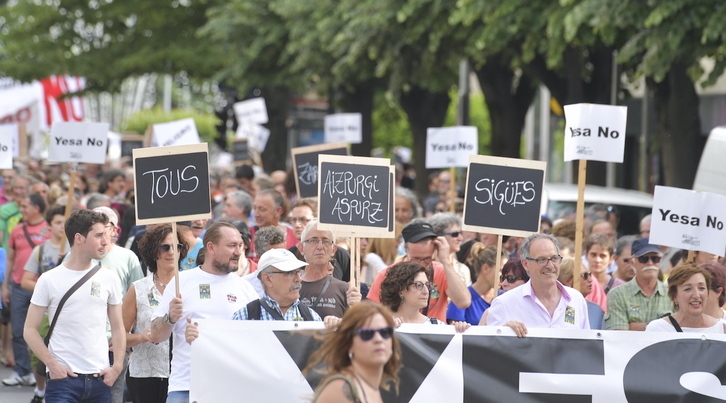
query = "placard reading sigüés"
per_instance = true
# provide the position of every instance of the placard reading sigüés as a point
(354, 193)
(305, 165)
(503, 195)
(172, 183)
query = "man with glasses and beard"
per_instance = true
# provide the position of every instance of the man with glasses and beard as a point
(644, 298)
(209, 291)
(424, 247)
(542, 302)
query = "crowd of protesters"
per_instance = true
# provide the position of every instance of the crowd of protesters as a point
(432, 272)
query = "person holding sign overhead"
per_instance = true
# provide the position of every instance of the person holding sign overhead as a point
(542, 302)
(423, 246)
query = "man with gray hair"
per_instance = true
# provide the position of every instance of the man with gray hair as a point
(97, 200)
(268, 238)
(542, 301)
(238, 206)
(320, 290)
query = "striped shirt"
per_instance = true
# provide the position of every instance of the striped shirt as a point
(293, 313)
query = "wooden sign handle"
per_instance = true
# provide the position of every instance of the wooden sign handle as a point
(498, 268)
(69, 202)
(452, 189)
(174, 243)
(579, 223)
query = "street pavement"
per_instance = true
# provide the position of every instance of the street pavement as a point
(13, 394)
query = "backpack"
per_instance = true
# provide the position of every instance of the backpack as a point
(254, 311)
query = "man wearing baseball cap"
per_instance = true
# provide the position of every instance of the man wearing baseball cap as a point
(423, 246)
(644, 298)
(280, 273)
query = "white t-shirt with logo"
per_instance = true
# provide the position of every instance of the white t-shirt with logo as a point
(204, 296)
(79, 337)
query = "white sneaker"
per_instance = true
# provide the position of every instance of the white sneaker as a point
(17, 380)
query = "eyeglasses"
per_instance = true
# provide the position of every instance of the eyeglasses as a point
(453, 234)
(290, 274)
(419, 285)
(367, 334)
(652, 258)
(510, 278)
(165, 247)
(303, 221)
(543, 261)
(315, 241)
(585, 275)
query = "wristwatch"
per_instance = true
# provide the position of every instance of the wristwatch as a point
(167, 320)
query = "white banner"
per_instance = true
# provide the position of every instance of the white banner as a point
(451, 146)
(688, 219)
(485, 364)
(178, 133)
(78, 142)
(251, 111)
(595, 132)
(344, 128)
(8, 145)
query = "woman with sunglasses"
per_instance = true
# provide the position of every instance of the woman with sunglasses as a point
(513, 275)
(448, 225)
(482, 261)
(362, 356)
(688, 288)
(149, 362)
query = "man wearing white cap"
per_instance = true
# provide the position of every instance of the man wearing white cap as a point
(280, 273)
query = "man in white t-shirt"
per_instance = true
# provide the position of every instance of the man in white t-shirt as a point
(77, 356)
(209, 291)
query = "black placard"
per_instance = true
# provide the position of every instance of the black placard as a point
(355, 195)
(306, 167)
(504, 199)
(127, 147)
(172, 186)
(240, 150)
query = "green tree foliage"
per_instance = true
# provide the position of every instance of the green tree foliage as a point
(104, 41)
(140, 121)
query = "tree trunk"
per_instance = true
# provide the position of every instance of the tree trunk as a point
(360, 99)
(678, 126)
(507, 98)
(423, 109)
(277, 99)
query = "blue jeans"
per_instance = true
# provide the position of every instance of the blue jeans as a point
(178, 397)
(19, 302)
(84, 388)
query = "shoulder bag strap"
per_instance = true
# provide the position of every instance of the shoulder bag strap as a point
(305, 312)
(27, 236)
(253, 310)
(675, 324)
(73, 289)
(609, 285)
(322, 292)
(346, 379)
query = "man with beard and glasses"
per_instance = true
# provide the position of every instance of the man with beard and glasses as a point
(644, 298)
(210, 291)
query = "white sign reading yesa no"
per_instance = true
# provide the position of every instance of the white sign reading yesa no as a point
(451, 146)
(595, 132)
(344, 128)
(251, 111)
(178, 133)
(688, 219)
(8, 145)
(78, 142)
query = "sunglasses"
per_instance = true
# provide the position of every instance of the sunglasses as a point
(586, 275)
(165, 247)
(453, 234)
(654, 259)
(419, 285)
(510, 278)
(367, 334)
